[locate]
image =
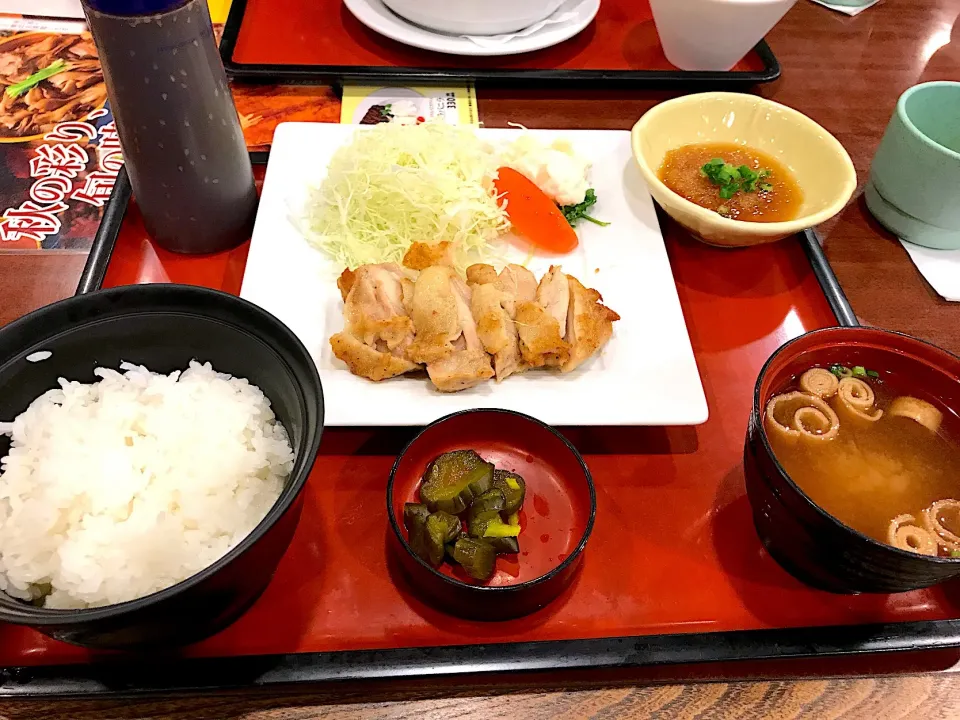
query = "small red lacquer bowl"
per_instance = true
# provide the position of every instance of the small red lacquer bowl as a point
(557, 516)
(809, 543)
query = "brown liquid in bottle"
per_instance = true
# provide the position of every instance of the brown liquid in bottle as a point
(182, 142)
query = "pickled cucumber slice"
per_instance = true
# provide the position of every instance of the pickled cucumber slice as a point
(454, 479)
(476, 557)
(491, 500)
(504, 545)
(440, 528)
(514, 489)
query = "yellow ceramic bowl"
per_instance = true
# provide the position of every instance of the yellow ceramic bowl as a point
(816, 158)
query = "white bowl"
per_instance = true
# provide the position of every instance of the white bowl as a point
(474, 17)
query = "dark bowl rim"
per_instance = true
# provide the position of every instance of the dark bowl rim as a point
(572, 558)
(305, 459)
(758, 414)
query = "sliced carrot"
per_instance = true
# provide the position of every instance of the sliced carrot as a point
(533, 214)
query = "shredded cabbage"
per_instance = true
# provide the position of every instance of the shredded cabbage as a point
(393, 185)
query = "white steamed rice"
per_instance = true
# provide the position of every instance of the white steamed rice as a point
(117, 489)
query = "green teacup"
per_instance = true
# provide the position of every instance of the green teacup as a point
(914, 185)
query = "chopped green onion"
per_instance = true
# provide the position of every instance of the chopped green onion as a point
(749, 178)
(18, 89)
(954, 553)
(731, 179)
(841, 371)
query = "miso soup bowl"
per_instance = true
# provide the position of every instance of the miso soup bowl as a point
(810, 544)
(816, 158)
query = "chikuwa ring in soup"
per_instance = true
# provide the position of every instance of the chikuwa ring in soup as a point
(871, 453)
(820, 382)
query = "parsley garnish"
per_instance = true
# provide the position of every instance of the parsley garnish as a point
(575, 212)
(732, 179)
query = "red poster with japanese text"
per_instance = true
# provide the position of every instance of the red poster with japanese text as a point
(59, 151)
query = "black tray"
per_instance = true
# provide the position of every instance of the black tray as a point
(339, 74)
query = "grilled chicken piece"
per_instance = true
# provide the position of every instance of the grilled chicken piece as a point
(374, 309)
(589, 324)
(463, 369)
(493, 310)
(435, 315)
(420, 255)
(518, 282)
(446, 334)
(494, 306)
(481, 274)
(540, 341)
(366, 361)
(394, 325)
(553, 294)
(345, 282)
(377, 330)
(468, 364)
(515, 280)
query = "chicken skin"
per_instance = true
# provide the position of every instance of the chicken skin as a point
(366, 361)
(540, 341)
(377, 330)
(420, 256)
(589, 324)
(496, 328)
(435, 315)
(553, 294)
(515, 280)
(446, 338)
(494, 307)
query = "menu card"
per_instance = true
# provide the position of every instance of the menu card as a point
(59, 150)
(372, 104)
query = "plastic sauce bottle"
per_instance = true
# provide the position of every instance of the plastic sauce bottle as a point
(182, 143)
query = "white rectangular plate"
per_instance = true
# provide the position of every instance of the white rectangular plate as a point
(646, 374)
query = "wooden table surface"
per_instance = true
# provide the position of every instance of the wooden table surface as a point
(846, 73)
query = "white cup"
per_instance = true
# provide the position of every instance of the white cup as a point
(713, 34)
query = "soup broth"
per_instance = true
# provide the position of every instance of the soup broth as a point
(774, 197)
(873, 455)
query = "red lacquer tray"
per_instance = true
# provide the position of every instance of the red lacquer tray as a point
(673, 573)
(321, 40)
